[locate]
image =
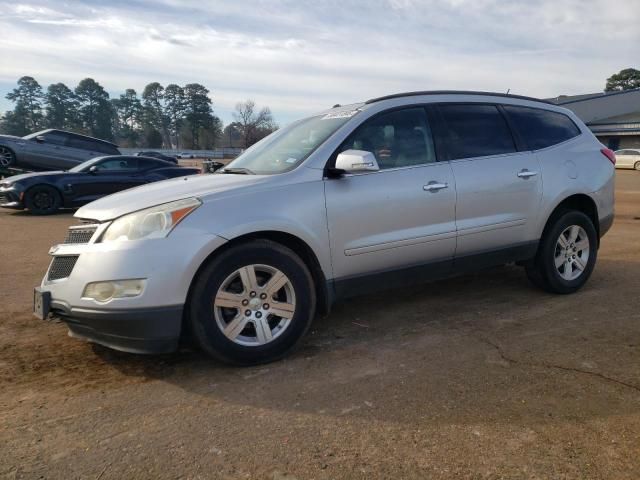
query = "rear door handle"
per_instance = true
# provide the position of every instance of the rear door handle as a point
(526, 173)
(434, 186)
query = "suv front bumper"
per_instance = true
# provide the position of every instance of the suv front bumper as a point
(150, 322)
(138, 330)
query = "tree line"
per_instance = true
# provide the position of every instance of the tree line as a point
(626, 79)
(161, 117)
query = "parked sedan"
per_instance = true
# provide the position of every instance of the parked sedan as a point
(51, 150)
(43, 193)
(628, 158)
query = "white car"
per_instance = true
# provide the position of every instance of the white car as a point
(628, 158)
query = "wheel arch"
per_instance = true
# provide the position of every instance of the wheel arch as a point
(295, 243)
(43, 184)
(580, 202)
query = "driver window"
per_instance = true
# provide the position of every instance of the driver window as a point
(118, 165)
(400, 138)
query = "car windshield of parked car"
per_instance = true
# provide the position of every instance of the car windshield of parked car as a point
(288, 147)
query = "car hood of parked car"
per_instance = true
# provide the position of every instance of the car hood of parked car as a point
(27, 176)
(10, 137)
(201, 186)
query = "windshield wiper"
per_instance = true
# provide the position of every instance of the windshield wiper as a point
(239, 170)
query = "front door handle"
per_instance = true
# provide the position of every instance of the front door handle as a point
(524, 173)
(434, 186)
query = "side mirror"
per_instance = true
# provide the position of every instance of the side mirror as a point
(40, 139)
(210, 166)
(93, 169)
(356, 161)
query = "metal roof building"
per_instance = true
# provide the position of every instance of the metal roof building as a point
(614, 117)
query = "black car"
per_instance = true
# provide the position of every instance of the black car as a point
(159, 155)
(51, 150)
(44, 193)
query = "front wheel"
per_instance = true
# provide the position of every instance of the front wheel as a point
(566, 254)
(7, 157)
(252, 303)
(42, 200)
(637, 166)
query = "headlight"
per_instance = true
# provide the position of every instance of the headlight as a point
(154, 222)
(6, 184)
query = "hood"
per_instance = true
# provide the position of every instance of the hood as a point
(11, 137)
(25, 176)
(134, 199)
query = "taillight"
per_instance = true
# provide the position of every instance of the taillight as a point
(609, 154)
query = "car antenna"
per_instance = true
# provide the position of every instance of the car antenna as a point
(336, 105)
(508, 90)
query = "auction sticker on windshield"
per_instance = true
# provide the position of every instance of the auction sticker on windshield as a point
(344, 114)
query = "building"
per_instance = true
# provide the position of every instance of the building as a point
(613, 117)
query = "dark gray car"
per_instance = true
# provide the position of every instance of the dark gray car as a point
(51, 150)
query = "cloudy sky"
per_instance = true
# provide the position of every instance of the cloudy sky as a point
(301, 56)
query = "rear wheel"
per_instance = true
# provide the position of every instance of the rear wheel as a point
(637, 166)
(42, 200)
(7, 157)
(566, 255)
(252, 303)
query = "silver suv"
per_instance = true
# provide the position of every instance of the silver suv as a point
(396, 190)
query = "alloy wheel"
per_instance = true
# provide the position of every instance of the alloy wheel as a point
(6, 157)
(254, 305)
(572, 252)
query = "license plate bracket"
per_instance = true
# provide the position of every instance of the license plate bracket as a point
(41, 303)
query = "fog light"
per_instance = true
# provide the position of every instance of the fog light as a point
(105, 291)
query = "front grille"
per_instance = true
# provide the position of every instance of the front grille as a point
(61, 267)
(80, 234)
(4, 198)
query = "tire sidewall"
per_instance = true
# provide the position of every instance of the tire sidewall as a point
(29, 196)
(201, 313)
(549, 270)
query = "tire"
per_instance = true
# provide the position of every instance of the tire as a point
(637, 166)
(222, 300)
(42, 200)
(7, 157)
(564, 265)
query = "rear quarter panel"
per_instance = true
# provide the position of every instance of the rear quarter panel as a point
(575, 167)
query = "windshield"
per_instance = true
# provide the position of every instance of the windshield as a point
(81, 167)
(288, 147)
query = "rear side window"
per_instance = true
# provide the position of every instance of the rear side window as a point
(55, 138)
(105, 148)
(541, 128)
(92, 146)
(476, 131)
(122, 164)
(80, 143)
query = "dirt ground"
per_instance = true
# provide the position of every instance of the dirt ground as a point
(477, 377)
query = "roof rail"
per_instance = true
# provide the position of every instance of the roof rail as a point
(455, 92)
